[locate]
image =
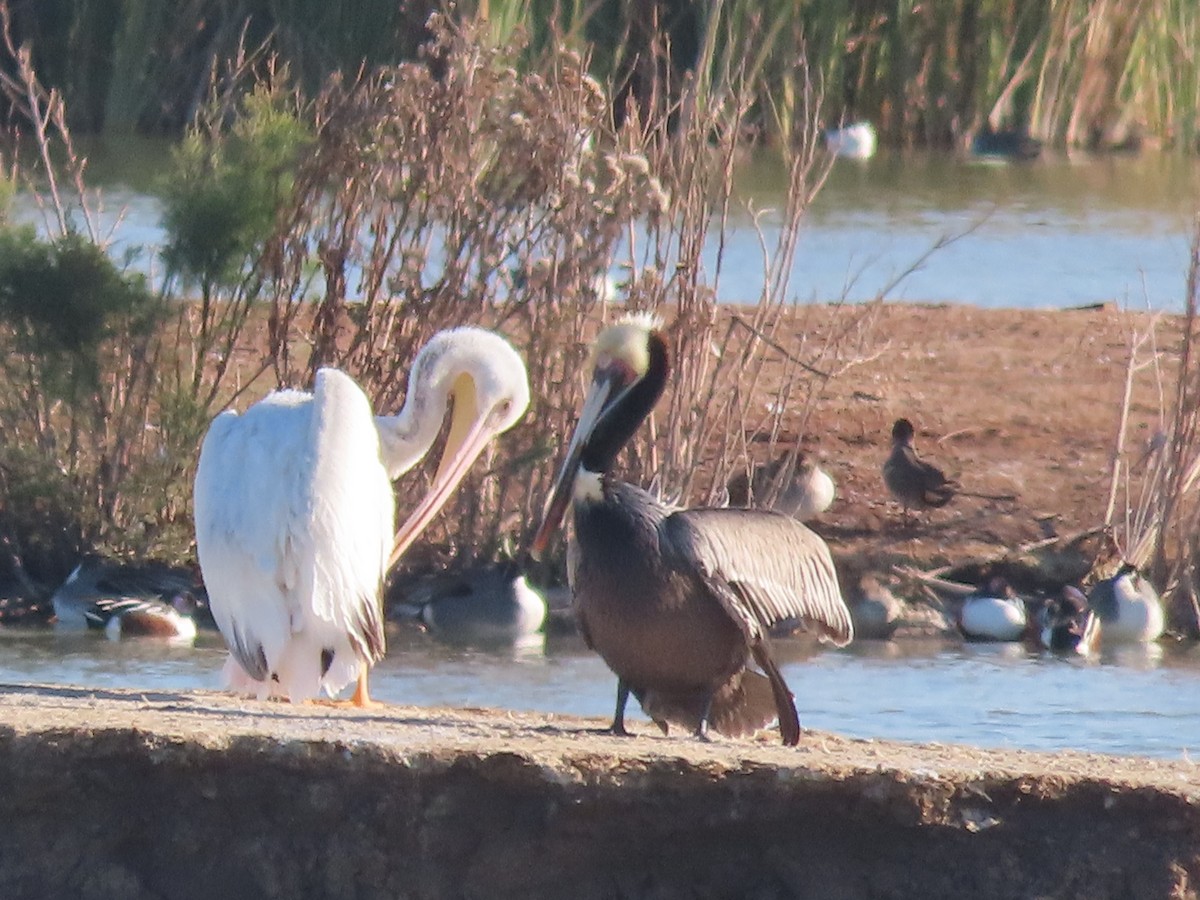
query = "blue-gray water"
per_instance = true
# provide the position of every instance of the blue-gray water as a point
(1054, 233)
(1132, 700)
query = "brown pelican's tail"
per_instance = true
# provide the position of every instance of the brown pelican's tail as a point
(744, 704)
(785, 706)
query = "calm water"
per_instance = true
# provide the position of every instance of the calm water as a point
(1058, 232)
(1136, 700)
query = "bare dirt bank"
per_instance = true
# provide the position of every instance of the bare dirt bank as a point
(164, 795)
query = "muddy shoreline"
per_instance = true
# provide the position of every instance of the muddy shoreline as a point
(121, 793)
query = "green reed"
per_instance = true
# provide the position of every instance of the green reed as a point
(1077, 73)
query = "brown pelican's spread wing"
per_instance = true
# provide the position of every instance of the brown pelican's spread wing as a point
(763, 567)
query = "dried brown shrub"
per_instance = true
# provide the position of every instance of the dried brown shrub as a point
(1157, 527)
(466, 191)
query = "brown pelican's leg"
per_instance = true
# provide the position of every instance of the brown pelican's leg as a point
(702, 726)
(618, 723)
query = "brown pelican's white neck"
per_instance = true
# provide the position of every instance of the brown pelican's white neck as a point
(588, 487)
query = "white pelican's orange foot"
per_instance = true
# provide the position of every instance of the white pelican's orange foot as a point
(295, 514)
(361, 699)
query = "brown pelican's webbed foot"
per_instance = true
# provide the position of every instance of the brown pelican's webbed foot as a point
(618, 723)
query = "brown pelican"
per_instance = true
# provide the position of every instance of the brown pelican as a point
(808, 491)
(677, 601)
(295, 510)
(1128, 606)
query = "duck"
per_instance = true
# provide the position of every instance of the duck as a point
(874, 609)
(489, 604)
(807, 492)
(1129, 607)
(133, 617)
(126, 601)
(1005, 144)
(854, 141)
(1068, 624)
(994, 614)
(913, 482)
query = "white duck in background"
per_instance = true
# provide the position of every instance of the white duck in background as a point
(853, 141)
(1129, 608)
(994, 614)
(295, 512)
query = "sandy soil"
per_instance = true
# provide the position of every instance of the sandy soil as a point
(1012, 402)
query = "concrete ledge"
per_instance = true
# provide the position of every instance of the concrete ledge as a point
(197, 795)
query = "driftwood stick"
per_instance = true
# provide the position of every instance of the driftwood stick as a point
(932, 576)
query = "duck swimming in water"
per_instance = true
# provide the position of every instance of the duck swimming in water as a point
(1129, 608)
(485, 604)
(994, 614)
(678, 601)
(131, 601)
(1068, 624)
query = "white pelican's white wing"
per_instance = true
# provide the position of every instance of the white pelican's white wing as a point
(294, 520)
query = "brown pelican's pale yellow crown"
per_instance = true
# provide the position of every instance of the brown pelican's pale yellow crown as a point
(626, 342)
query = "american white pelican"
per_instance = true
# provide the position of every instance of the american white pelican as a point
(295, 509)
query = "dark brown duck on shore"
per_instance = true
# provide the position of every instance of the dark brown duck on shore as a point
(915, 483)
(678, 601)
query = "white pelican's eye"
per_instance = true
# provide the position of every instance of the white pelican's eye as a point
(504, 408)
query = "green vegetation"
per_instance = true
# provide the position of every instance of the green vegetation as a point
(110, 381)
(1077, 73)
